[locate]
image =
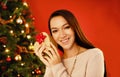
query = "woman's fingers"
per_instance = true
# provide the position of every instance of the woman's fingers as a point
(48, 55)
(36, 46)
(44, 59)
(52, 57)
(55, 49)
(39, 49)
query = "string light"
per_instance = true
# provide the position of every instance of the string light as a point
(7, 50)
(11, 31)
(16, 9)
(22, 31)
(4, 46)
(22, 64)
(27, 28)
(28, 36)
(26, 25)
(10, 16)
(25, 4)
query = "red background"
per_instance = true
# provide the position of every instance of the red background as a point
(99, 19)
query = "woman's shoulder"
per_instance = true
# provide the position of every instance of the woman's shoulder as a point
(95, 51)
(92, 52)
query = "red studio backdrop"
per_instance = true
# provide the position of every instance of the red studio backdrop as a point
(99, 20)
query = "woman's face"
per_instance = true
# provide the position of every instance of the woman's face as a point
(62, 32)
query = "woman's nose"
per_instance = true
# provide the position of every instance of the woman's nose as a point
(62, 34)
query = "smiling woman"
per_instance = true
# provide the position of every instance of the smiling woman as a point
(80, 58)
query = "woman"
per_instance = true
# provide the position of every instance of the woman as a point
(80, 58)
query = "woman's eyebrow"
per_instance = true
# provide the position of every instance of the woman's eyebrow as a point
(62, 26)
(65, 24)
(53, 27)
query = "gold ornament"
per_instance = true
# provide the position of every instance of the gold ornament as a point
(31, 47)
(18, 58)
(19, 20)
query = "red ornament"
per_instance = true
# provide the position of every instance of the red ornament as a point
(3, 5)
(3, 68)
(3, 40)
(38, 71)
(8, 59)
(40, 38)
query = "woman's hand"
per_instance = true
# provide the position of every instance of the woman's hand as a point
(48, 55)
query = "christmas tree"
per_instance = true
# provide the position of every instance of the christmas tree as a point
(17, 36)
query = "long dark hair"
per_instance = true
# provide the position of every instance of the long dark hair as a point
(80, 39)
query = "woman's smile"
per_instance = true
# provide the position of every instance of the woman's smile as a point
(64, 41)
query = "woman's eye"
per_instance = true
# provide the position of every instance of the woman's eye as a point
(67, 27)
(54, 31)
